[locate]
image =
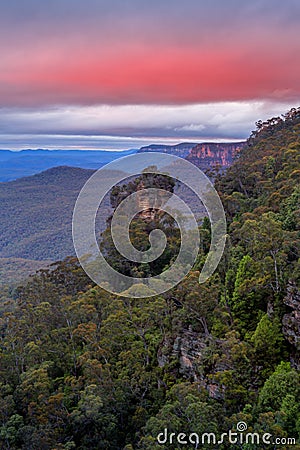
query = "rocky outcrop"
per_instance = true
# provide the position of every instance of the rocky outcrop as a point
(209, 155)
(151, 204)
(189, 350)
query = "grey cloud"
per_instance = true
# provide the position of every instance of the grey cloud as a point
(128, 126)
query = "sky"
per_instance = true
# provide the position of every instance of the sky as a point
(119, 74)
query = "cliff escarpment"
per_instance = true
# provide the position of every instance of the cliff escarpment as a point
(209, 155)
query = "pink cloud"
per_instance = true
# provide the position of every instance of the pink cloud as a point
(119, 72)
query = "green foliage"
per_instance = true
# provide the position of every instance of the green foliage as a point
(268, 343)
(284, 381)
(186, 408)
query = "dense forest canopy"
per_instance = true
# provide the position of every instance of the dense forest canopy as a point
(84, 369)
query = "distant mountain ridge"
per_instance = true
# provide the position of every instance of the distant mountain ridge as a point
(204, 155)
(16, 164)
(182, 150)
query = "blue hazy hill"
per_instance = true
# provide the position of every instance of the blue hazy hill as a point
(16, 164)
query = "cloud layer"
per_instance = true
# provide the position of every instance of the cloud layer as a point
(131, 126)
(136, 69)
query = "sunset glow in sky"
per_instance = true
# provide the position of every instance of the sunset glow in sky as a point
(121, 74)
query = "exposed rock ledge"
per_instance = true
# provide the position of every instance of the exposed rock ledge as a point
(291, 322)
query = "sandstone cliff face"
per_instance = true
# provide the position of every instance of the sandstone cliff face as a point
(208, 155)
(205, 155)
(151, 204)
(190, 351)
(181, 150)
